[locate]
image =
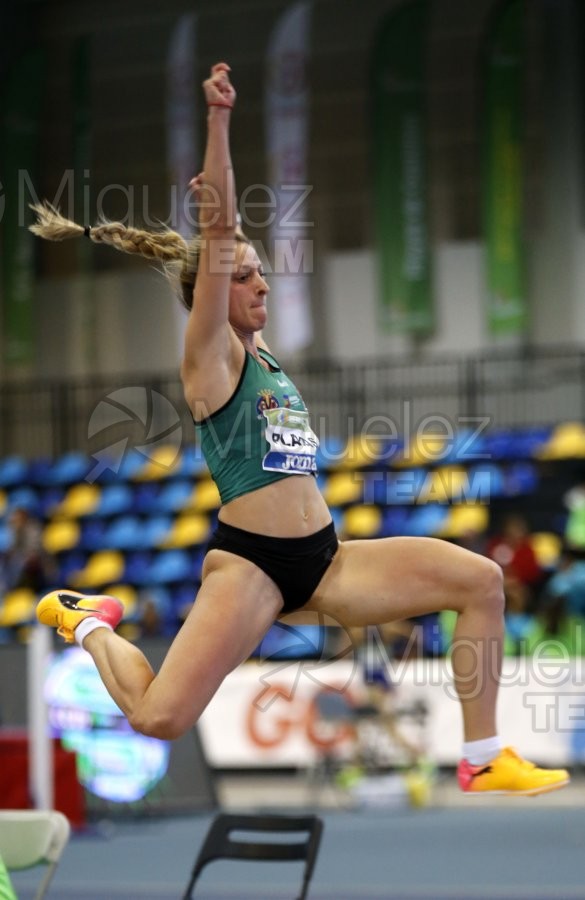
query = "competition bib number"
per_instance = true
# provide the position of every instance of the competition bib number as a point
(292, 444)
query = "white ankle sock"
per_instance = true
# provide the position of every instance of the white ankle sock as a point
(86, 626)
(478, 753)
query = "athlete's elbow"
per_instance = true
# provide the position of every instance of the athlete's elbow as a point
(161, 725)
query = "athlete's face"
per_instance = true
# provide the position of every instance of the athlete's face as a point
(248, 291)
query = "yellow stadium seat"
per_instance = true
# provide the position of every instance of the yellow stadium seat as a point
(162, 462)
(17, 608)
(188, 530)
(62, 534)
(421, 450)
(80, 500)
(547, 547)
(206, 496)
(566, 442)
(104, 567)
(361, 522)
(342, 488)
(361, 451)
(466, 518)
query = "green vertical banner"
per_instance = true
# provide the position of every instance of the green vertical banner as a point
(400, 170)
(502, 172)
(21, 103)
(81, 152)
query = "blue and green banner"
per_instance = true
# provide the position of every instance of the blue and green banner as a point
(400, 170)
(502, 173)
(21, 103)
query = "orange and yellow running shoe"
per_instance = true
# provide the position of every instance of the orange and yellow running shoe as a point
(508, 773)
(64, 610)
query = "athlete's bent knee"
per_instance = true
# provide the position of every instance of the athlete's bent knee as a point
(490, 586)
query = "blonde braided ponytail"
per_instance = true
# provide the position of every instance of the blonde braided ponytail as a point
(164, 245)
(167, 246)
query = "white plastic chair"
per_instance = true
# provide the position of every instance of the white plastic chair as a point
(33, 837)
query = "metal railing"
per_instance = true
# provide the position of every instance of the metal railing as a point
(502, 389)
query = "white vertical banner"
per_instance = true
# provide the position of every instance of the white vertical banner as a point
(286, 117)
(180, 129)
(181, 111)
(40, 757)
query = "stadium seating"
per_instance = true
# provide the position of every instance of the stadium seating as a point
(141, 522)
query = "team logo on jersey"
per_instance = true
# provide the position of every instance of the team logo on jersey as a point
(267, 400)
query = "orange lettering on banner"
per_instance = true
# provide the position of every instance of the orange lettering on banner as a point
(269, 722)
(265, 724)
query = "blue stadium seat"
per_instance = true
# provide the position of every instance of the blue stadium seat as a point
(71, 467)
(330, 453)
(466, 446)
(485, 481)
(124, 533)
(379, 487)
(197, 557)
(394, 521)
(169, 566)
(116, 499)
(13, 471)
(521, 478)
(502, 444)
(337, 517)
(68, 563)
(191, 462)
(5, 537)
(533, 439)
(39, 472)
(49, 499)
(426, 520)
(92, 535)
(24, 498)
(173, 497)
(155, 530)
(144, 497)
(131, 464)
(182, 598)
(404, 487)
(137, 567)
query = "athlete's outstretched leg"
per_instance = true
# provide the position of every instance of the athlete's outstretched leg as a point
(371, 582)
(235, 606)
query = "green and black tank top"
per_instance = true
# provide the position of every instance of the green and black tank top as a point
(262, 433)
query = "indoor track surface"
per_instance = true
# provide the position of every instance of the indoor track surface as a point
(532, 852)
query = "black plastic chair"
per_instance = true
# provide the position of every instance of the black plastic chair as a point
(219, 845)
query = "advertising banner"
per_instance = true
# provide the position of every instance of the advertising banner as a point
(400, 171)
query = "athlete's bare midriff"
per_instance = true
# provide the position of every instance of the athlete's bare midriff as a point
(291, 507)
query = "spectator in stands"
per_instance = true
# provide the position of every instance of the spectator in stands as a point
(574, 501)
(513, 551)
(275, 549)
(523, 577)
(564, 594)
(25, 564)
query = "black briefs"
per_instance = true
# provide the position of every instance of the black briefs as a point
(296, 565)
